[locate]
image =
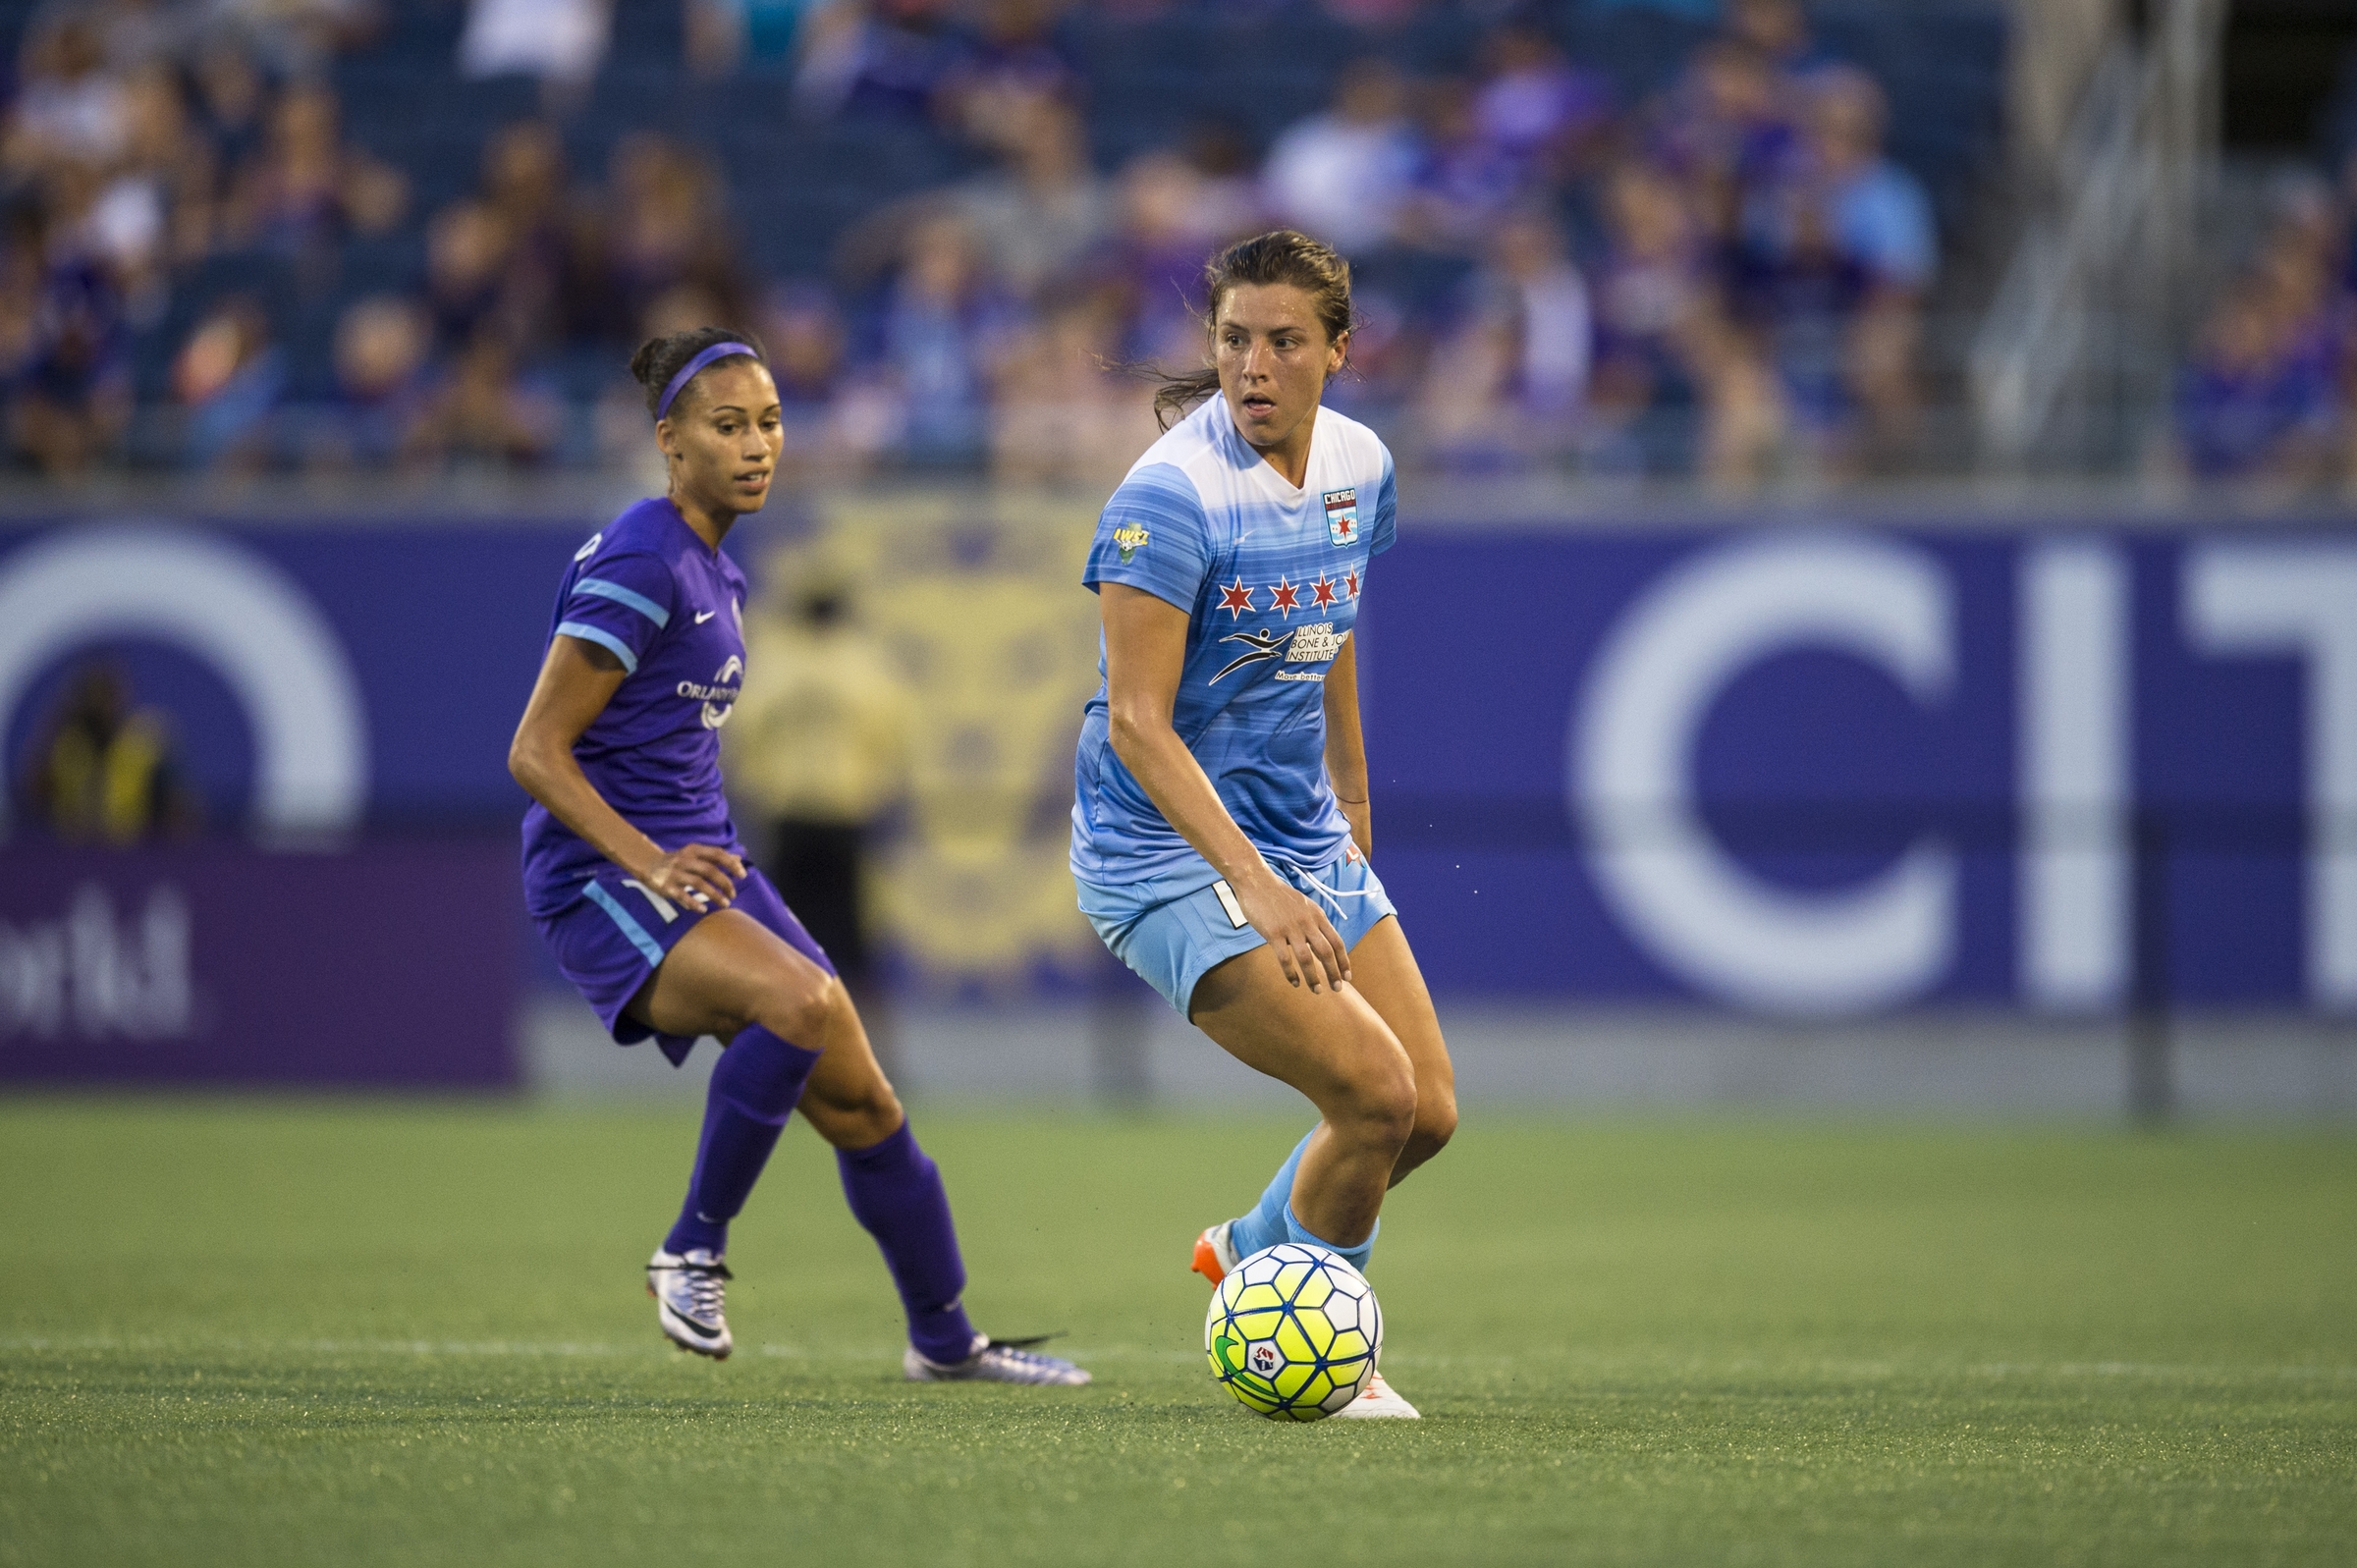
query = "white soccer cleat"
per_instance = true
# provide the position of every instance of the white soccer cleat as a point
(690, 1300)
(996, 1361)
(1377, 1402)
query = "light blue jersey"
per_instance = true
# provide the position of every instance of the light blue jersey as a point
(1270, 577)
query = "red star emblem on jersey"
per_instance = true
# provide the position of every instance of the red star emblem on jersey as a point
(1288, 597)
(1324, 591)
(1235, 599)
(1350, 582)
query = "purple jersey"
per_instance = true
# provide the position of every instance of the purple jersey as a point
(653, 594)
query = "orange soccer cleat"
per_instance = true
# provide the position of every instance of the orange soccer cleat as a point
(1215, 1253)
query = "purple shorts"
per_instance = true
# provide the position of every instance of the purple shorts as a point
(614, 936)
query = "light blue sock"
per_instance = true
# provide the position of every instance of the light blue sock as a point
(1264, 1225)
(1358, 1255)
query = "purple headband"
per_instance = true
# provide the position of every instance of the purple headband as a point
(719, 351)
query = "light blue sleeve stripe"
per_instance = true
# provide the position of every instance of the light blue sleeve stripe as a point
(649, 948)
(604, 639)
(623, 596)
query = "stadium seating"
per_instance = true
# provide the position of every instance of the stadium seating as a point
(794, 187)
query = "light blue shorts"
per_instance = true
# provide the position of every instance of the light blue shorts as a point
(1176, 928)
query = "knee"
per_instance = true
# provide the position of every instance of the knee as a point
(795, 1009)
(1435, 1126)
(1381, 1096)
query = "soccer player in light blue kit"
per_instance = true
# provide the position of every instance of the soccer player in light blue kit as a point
(1221, 826)
(635, 874)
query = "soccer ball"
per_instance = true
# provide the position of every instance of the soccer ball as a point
(1293, 1332)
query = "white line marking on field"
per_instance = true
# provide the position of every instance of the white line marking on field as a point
(1594, 1365)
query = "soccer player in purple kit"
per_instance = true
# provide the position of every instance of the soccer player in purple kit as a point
(1221, 825)
(634, 874)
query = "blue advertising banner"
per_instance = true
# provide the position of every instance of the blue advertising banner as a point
(1808, 773)
(1825, 773)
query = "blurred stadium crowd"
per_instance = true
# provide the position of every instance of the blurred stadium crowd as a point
(1626, 237)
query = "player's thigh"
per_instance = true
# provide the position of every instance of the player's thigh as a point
(1384, 970)
(729, 971)
(1329, 1044)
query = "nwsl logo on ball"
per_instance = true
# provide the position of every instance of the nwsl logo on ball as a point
(1261, 1359)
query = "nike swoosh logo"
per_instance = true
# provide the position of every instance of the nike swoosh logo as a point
(706, 616)
(700, 1330)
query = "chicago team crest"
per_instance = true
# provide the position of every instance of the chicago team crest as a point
(1341, 516)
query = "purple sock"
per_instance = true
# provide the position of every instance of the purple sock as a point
(754, 1090)
(895, 1192)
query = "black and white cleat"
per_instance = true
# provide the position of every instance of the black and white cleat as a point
(690, 1300)
(997, 1361)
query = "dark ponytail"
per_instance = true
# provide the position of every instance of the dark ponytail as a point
(1281, 255)
(658, 359)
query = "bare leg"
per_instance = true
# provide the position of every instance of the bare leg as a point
(1335, 1047)
(1384, 969)
(732, 971)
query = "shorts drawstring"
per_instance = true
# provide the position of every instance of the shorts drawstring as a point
(1334, 895)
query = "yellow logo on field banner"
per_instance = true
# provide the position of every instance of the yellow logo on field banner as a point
(979, 600)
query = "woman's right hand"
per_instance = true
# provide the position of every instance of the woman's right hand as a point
(702, 875)
(1307, 946)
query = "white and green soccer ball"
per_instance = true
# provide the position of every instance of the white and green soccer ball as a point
(1293, 1332)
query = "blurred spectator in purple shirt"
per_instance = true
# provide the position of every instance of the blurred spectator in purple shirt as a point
(887, 58)
(940, 331)
(1508, 385)
(834, 424)
(1839, 254)
(1344, 176)
(75, 394)
(306, 189)
(2263, 395)
(1653, 291)
(1012, 58)
(380, 358)
(1465, 181)
(1536, 107)
(1666, 344)
(1726, 128)
(466, 271)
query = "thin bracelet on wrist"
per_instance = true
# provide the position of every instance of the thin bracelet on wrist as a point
(1348, 802)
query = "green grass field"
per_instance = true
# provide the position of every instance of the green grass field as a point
(386, 1332)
